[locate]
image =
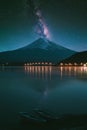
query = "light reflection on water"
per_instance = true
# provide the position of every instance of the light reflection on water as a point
(60, 90)
(39, 71)
(48, 71)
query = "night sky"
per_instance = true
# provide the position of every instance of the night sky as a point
(66, 21)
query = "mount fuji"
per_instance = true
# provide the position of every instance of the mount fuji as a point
(41, 50)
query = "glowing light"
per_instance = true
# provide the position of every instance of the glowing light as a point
(70, 64)
(81, 63)
(85, 65)
(28, 64)
(61, 63)
(75, 63)
(46, 63)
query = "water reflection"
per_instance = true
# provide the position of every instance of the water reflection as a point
(46, 72)
(61, 90)
(43, 72)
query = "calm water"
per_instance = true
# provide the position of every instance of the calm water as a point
(59, 90)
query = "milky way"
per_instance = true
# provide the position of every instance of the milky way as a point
(24, 21)
(41, 27)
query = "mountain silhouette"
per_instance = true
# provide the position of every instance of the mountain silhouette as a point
(80, 57)
(41, 50)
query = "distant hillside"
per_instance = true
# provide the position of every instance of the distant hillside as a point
(80, 57)
(39, 51)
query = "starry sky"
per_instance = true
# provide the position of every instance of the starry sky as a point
(66, 21)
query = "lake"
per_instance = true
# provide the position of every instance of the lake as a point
(57, 90)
